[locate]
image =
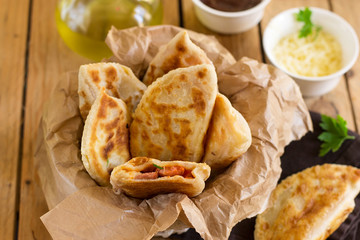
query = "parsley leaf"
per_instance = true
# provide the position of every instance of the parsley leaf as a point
(107, 163)
(305, 16)
(157, 166)
(335, 133)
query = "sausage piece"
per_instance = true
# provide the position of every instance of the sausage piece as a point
(171, 171)
(147, 175)
(166, 171)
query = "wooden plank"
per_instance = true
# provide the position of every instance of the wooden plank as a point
(49, 57)
(13, 35)
(328, 103)
(171, 12)
(349, 10)
(243, 44)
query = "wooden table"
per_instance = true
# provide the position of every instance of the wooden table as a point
(33, 56)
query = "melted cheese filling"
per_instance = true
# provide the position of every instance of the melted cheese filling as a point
(317, 55)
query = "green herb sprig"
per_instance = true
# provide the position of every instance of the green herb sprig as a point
(305, 16)
(157, 166)
(335, 133)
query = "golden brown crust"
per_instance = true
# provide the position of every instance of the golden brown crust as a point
(172, 118)
(118, 81)
(124, 176)
(105, 141)
(310, 204)
(180, 52)
(228, 136)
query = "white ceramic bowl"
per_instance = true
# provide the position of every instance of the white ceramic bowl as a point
(284, 24)
(229, 22)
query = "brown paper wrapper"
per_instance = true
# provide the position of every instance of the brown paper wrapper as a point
(268, 99)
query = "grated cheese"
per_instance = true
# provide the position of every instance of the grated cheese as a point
(312, 56)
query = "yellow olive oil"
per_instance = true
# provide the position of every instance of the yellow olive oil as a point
(84, 24)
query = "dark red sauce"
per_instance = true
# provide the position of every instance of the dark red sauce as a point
(231, 5)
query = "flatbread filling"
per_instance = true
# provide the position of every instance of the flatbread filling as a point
(166, 171)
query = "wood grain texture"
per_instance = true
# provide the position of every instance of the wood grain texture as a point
(49, 57)
(240, 45)
(329, 103)
(171, 12)
(349, 10)
(13, 34)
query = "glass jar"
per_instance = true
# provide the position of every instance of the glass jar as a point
(84, 24)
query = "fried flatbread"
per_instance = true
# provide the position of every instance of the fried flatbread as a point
(228, 136)
(119, 81)
(180, 52)
(310, 204)
(171, 119)
(143, 177)
(105, 141)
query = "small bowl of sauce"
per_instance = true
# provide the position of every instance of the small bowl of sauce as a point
(231, 5)
(230, 16)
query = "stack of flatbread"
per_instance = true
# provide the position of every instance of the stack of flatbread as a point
(161, 135)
